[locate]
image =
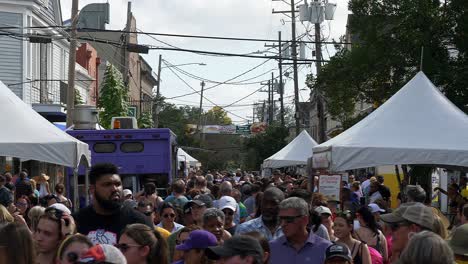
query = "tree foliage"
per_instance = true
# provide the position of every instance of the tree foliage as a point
(387, 37)
(113, 97)
(176, 119)
(262, 146)
(216, 116)
(145, 120)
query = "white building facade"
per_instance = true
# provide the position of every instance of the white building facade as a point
(35, 72)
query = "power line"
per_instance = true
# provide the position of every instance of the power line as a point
(241, 82)
(170, 35)
(194, 36)
(203, 96)
(216, 85)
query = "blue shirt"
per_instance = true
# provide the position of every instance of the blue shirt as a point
(313, 251)
(256, 224)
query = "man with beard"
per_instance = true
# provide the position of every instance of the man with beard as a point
(105, 218)
(268, 223)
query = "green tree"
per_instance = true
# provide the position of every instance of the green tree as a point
(387, 38)
(262, 146)
(176, 119)
(113, 97)
(145, 120)
(216, 116)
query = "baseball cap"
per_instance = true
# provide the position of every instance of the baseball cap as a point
(202, 200)
(127, 192)
(374, 208)
(338, 250)
(103, 253)
(416, 213)
(227, 202)
(323, 210)
(198, 239)
(237, 245)
(459, 240)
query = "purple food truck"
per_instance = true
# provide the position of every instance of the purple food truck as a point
(142, 155)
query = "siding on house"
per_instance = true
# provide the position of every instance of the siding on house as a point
(11, 54)
(47, 12)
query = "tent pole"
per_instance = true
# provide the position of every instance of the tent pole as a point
(397, 172)
(87, 185)
(76, 198)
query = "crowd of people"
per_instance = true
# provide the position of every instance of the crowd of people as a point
(220, 217)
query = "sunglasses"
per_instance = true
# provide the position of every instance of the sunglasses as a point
(124, 247)
(228, 212)
(148, 213)
(395, 226)
(180, 242)
(169, 215)
(21, 204)
(57, 214)
(72, 257)
(290, 219)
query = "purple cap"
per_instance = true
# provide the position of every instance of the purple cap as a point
(198, 239)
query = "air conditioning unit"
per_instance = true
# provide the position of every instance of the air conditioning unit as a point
(124, 122)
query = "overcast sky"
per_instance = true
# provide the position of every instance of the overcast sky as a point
(227, 18)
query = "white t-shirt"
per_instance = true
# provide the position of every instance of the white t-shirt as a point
(365, 184)
(375, 196)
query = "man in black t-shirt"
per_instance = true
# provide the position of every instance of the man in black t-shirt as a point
(384, 190)
(103, 221)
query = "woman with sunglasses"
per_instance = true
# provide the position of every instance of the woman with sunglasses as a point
(142, 245)
(72, 248)
(343, 227)
(23, 205)
(168, 215)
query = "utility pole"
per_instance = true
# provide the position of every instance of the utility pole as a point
(200, 128)
(281, 90)
(156, 101)
(272, 109)
(269, 102)
(320, 108)
(294, 55)
(71, 64)
(253, 113)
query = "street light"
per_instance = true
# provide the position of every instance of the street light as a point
(158, 88)
(184, 64)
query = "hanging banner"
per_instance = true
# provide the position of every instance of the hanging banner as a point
(216, 129)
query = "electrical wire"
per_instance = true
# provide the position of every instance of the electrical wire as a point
(198, 92)
(242, 82)
(216, 85)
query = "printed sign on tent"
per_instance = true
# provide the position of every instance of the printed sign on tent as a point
(330, 186)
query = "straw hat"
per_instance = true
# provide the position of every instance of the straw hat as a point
(42, 177)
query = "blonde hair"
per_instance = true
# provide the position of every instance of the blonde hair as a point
(439, 227)
(5, 216)
(33, 184)
(373, 179)
(34, 215)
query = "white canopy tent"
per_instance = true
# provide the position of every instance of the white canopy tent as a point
(183, 156)
(417, 125)
(27, 135)
(295, 153)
